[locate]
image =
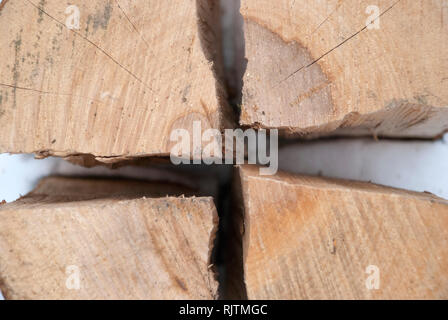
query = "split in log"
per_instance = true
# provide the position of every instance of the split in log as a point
(315, 238)
(318, 68)
(107, 239)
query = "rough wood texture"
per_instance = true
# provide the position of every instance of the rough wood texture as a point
(115, 88)
(314, 68)
(313, 238)
(128, 240)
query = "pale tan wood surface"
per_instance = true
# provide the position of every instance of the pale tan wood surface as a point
(128, 239)
(117, 87)
(314, 68)
(313, 238)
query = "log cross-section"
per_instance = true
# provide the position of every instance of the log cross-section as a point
(105, 239)
(346, 67)
(117, 86)
(315, 238)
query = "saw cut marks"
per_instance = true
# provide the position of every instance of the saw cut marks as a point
(114, 88)
(318, 68)
(107, 239)
(315, 238)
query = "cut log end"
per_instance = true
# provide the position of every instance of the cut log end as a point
(317, 70)
(106, 239)
(108, 89)
(315, 238)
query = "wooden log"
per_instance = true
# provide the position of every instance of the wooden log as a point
(315, 238)
(318, 68)
(122, 239)
(116, 87)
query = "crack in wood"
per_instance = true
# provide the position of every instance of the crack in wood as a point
(93, 44)
(339, 45)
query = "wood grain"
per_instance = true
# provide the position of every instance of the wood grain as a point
(315, 69)
(115, 88)
(128, 239)
(314, 238)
